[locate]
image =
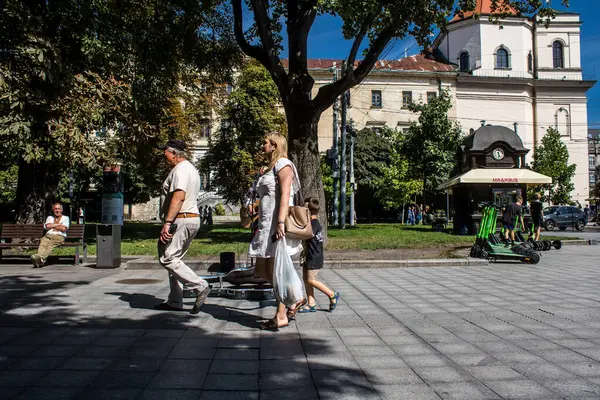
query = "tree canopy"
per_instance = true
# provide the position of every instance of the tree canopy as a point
(234, 156)
(551, 158)
(430, 144)
(86, 82)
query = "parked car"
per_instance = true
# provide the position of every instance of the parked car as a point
(563, 217)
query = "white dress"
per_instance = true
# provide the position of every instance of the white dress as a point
(268, 191)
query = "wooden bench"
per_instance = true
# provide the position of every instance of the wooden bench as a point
(34, 232)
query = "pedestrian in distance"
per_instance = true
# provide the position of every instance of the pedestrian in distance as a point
(313, 262)
(57, 226)
(508, 220)
(537, 215)
(276, 188)
(181, 223)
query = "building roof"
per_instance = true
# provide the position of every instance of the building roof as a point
(486, 136)
(419, 62)
(484, 7)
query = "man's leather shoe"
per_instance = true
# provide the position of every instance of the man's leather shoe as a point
(166, 307)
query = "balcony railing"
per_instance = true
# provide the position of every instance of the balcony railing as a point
(542, 75)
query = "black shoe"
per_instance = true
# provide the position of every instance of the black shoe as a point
(200, 298)
(166, 307)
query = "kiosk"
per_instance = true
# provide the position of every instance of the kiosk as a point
(491, 169)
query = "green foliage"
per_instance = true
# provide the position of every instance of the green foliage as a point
(430, 145)
(596, 191)
(397, 185)
(82, 83)
(551, 158)
(234, 157)
(219, 209)
(372, 154)
(8, 184)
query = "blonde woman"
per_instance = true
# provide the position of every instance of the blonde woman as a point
(276, 189)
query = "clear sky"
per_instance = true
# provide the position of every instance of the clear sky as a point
(325, 41)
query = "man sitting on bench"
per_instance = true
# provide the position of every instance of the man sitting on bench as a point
(56, 226)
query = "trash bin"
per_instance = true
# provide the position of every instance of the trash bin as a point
(108, 246)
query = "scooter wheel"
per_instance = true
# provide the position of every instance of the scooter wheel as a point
(535, 258)
(557, 244)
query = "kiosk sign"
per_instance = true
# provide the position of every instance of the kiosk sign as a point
(505, 180)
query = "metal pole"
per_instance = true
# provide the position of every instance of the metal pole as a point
(336, 166)
(352, 184)
(343, 165)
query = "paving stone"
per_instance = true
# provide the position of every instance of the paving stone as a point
(136, 364)
(573, 388)
(48, 393)
(370, 362)
(109, 393)
(442, 374)
(392, 376)
(410, 391)
(236, 354)
(171, 394)
(20, 378)
(584, 369)
(228, 382)
(87, 363)
(471, 390)
(304, 393)
(44, 363)
(520, 389)
(68, 378)
(234, 367)
(245, 395)
(129, 379)
(494, 372)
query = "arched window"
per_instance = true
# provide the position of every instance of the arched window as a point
(530, 62)
(557, 54)
(502, 58)
(562, 122)
(464, 61)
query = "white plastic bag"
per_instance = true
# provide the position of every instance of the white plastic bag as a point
(287, 286)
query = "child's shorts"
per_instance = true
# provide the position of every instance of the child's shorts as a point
(310, 274)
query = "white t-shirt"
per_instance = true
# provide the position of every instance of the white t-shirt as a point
(64, 220)
(184, 176)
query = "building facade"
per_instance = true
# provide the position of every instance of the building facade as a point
(516, 73)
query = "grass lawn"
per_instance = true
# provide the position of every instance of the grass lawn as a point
(141, 239)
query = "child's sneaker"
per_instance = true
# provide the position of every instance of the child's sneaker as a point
(333, 301)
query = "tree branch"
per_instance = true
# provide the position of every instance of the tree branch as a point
(255, 52)
(356, 45)
(300, 20)
(328, 93)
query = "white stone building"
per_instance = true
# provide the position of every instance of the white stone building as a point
(511, 71)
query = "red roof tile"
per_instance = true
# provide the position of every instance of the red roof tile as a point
(412, 63)
(484, 7)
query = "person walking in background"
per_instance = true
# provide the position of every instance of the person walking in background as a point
(57, 226)
(181, 223)
(313, 262)
(508, 220)
(276, 189)
(419, 214)
(537, 215)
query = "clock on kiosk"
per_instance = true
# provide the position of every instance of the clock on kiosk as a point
(497, 154)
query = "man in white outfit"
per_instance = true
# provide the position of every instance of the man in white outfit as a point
(57, 226)
(179, 194)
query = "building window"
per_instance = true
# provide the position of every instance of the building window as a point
(530, 62)
(562, 122)
(406, 99)
(431, 96)
(557, 54)
(592, 162)
(464, 61)
(229, 88)
(376, 98)
(502, 58)
(205, 131)
(592, 177)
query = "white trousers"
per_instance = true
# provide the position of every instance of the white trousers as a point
(170, 255)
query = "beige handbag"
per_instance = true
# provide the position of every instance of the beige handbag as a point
(297, 223)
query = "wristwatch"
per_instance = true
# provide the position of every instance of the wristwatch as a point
(168, 222)
(280, 222)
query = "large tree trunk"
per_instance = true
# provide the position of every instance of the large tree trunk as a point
(32, 192)
(304, 152)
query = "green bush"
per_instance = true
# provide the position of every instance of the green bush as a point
(219, 209)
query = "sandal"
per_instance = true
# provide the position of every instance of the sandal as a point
(272, 325)
(333, 301)
(307, 309)
(291, 313)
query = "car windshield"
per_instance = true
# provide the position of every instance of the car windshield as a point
(550, 210)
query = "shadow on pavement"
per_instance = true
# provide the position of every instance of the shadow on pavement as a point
(67, 338)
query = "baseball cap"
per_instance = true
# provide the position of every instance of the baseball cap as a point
(174, 144)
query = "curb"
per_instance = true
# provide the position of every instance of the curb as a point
(201, 265)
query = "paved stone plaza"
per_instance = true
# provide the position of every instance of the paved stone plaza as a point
(507, 331)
